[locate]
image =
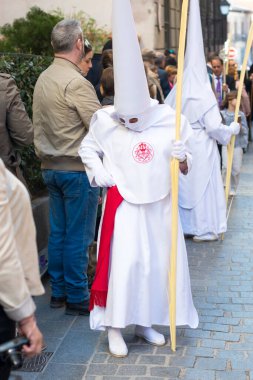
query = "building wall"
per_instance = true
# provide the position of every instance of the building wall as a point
(100, 12)
(214, 25)
(157, 21)
(144, 13)
(145, 18)
(172, 23)
(239, 22)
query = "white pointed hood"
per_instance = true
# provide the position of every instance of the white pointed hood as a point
(197, 94)
(132, 97)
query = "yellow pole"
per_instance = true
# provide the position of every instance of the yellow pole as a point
(225, 72)
(174, 180)
(227, 47)
(230, 147)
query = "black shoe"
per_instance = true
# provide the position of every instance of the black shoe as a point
(57, 302)
(80, 308)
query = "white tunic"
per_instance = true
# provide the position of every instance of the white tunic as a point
(202, 204)
(201, 194)
(138, 290)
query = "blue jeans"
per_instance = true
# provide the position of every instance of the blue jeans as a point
(73, 209)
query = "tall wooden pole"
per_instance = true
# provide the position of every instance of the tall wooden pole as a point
(174, 180)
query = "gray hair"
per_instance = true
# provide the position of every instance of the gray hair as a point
(64, 35)
(160, 58)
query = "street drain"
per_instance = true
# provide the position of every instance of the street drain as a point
(37, 363)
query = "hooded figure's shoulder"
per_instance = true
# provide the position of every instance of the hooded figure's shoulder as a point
(104, 118)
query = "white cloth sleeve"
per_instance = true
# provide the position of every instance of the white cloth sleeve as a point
(91, 155)
(14, 293)
(212, 122)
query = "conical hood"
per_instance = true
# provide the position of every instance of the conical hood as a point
(197, 94)
(131, 89)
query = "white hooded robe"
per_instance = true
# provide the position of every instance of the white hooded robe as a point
(138, 290)
(202, 204)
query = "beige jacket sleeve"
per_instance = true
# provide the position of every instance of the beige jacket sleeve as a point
(81, 95)
(19, 271)
(18, 122)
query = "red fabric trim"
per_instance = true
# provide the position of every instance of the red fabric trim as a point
(99, 287)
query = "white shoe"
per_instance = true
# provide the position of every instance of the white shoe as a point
(150, 335)
(205, 237)
(117, 345)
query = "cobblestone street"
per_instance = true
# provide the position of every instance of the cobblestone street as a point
(221, 348)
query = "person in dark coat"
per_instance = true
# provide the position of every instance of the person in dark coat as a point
(163, 75)
(107, 87)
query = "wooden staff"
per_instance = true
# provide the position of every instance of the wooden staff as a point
(225, 66)
(230, 147)
(174, 180)
(224, 82)
(226, 48)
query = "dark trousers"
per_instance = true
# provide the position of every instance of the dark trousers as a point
(7, 332)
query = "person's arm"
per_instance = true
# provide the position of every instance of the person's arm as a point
(81, 95)
(18, 122)
(15, 297)
(180, 148)
(91, 155)
(243, 124)
(28, 327)
(211, 121)
(244, 130)
(14, 294)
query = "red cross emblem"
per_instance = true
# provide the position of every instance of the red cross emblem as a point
(143, 153)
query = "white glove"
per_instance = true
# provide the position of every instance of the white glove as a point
(178, 150)
(103, 178)
(235, 128)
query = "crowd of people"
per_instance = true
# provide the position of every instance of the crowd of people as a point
(111, 126)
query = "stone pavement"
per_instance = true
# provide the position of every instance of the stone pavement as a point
(221, 348)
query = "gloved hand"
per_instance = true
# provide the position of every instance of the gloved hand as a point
(103, 178)
(178, 150)
(235, 128)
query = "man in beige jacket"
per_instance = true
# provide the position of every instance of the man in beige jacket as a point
(16, 129)
(19, 274)
(63, 104)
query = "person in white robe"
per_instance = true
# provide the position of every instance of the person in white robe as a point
(202, 202)
(128, 151)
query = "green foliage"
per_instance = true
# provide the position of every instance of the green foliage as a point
(96, 36)
(25, 69)
(31, 34)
